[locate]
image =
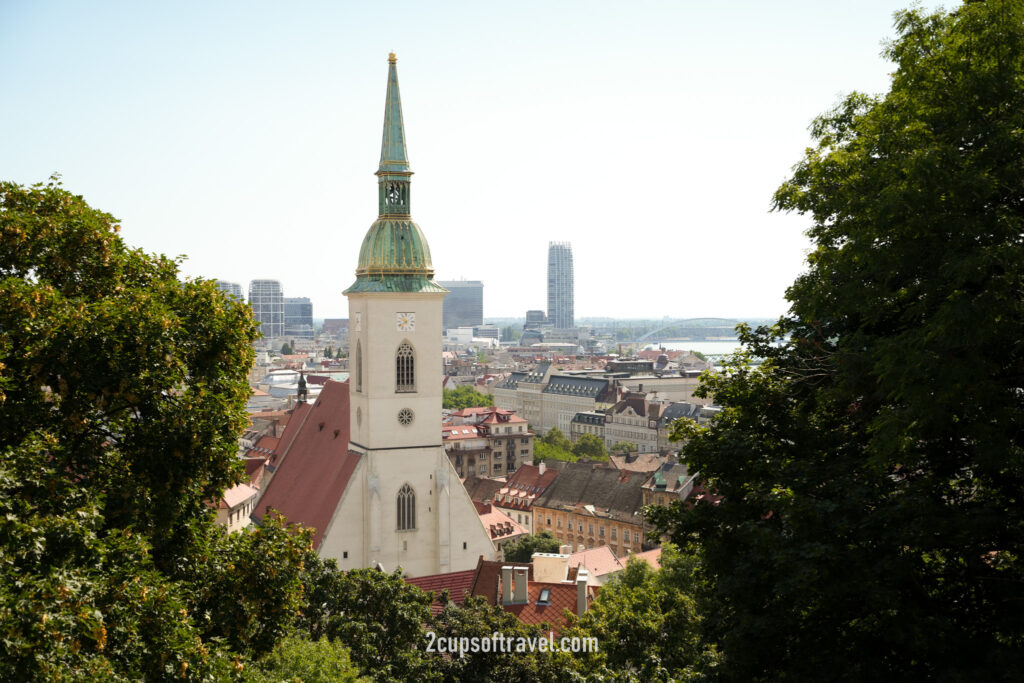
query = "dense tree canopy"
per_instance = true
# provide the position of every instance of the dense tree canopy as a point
(122, 394)
(872, 468)
(523, 548)
(138, 378)
(465, 396)
(590, 446)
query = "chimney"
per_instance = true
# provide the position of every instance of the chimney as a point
(542, 467)
(521, 583)
(581, 591)
(506, 585)
(565, 550)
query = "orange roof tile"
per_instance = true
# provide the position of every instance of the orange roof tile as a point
(459, 585)
(314, 464)
(598, 561)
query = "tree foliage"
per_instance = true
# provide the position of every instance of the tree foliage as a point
(286, 349)
(139, 377)
(623, 448)
(872, 468)
(123, 392)
(309, 661)
(378, 616)
(523, 548)
(590, 446)
(465, 396)
(648, 622)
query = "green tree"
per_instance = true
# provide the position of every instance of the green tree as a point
(309, 661)
(122, 405)
(465, 396)
(555, 437)
(523, 548)
(872, 468)
(648, 622)
(480, 620)
(623, 448)
(590, 446)
(286, 349)
(79, 600)
(247, 588)
(378, 616)
(139, 376)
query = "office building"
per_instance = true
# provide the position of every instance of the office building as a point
(267, 301)
(298, 317)
(560, 285)
(232, 288)
(464, 304)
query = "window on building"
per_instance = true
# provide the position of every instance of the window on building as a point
(559, 520)
(580, 529)
(359, 365)
(549, 521)
(600, 531)
(614, 537)
(405, 369)
(406, 508)
(590, 529)
(636, 537)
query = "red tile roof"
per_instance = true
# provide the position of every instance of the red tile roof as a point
(236, 495)
(456, 432)
(254, 470)
(562, 597)
(313, 463)
(598, 561)
(487, 579)
(651, 557)
(459, 585)
(524, 486)
(499, 524)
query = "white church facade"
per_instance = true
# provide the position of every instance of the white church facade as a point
(364, 463)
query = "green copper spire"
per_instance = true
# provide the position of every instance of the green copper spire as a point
(393, 157)
(394, 256)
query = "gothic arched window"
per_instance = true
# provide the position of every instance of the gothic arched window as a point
(359, 366)
(405, 369)
(406, 508)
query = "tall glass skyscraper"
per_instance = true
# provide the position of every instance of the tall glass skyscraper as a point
(560, 298)
(464, 303)
(298, 317)
(267, 301)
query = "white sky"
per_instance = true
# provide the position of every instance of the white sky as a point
(244, 135)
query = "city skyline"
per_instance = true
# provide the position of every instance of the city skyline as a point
(243, 137)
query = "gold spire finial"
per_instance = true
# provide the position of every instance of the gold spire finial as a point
(391, 58)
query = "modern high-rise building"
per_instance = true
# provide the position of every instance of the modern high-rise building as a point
(464, 305)
(298, 317)
(232, 288)
(560, 291)
(267, 301)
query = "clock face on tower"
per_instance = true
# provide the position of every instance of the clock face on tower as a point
(359, 322)
(405, 322)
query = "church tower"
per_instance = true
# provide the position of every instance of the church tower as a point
(416, 512)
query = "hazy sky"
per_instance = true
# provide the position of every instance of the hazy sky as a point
(244, 135)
